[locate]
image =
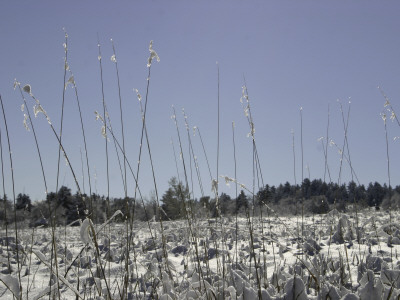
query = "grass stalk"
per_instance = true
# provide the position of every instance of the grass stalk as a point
(17, 243)
(9, 270)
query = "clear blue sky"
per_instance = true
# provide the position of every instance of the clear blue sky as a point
(293, 54)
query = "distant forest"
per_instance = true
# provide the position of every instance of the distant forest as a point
(313, 196)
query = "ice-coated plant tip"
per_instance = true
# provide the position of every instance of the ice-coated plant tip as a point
(137, 94)
(27, 88)
(16, 83)
(153, 54)
(26, 122)
(392, 116)
(383, 116)
(214, 185)
(38, 109)
(71, 80)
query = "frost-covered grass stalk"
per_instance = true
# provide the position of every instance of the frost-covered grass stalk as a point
(388, 174)
(257, 173)
(17, 243)
(5, 202)
(128, 244)
(236, 194)
(188, 213)
(302, 171)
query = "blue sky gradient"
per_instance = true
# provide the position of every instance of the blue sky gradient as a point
(293, 54)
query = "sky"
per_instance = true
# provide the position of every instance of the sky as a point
(297, 58)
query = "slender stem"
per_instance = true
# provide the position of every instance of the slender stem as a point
(205, 154)
(105, 128)
(176, 162)
(13, 190)
(218, 133)
(294, 159)
(236, 193)
(302, 171)
(326, 149)
(5, 203)
(121, 115)
(84, 141)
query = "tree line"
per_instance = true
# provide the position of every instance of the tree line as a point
(315, 196)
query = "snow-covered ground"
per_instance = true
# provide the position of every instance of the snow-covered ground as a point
(332, 256)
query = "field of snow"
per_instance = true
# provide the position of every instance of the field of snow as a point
(332, 256)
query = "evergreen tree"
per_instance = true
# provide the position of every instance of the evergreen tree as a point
(174, 200)
(241, 202)
(23, 202)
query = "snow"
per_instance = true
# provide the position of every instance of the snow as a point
(296, 258)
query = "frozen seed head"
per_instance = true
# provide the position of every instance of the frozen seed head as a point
(383, 116)
(228, 180)
(26, 122)
(98, 117)
(38, 109)
(22, 107)
(246, 111)
(244, 95)
(252, 131)
(138, 95)
(27, 89)
(71, 80)
(103, 131)
(214, 185)
(392, 116)
(153, 54)
(320, 138)
(113, 58)
(16, 83)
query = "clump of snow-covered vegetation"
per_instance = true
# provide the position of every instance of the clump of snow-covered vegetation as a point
(270, 257)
